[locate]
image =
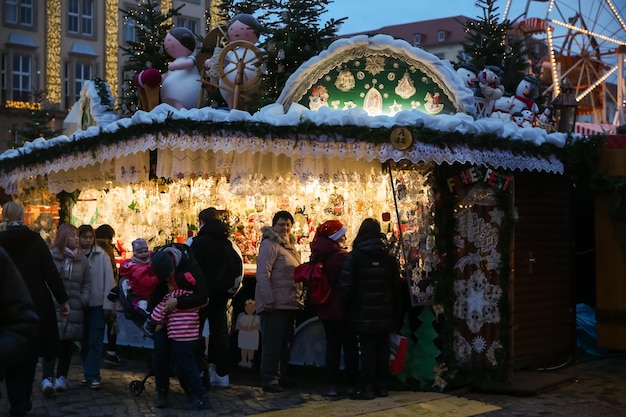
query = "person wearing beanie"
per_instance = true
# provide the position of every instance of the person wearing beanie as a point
(140, 276)
(183, 327)
(104, 238)
(327, 247)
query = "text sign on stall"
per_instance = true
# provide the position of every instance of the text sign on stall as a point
(491, 177)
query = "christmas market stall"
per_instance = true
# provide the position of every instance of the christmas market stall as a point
(478, 208)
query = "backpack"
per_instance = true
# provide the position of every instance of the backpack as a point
(315, 281)
(229, 276)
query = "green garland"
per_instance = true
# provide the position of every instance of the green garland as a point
(103, 92)
(578, 154)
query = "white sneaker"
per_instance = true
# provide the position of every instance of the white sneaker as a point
(219, 381)
(60, 384)
(47, 387)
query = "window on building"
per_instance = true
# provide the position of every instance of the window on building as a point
(80, 16)
(191, 24)
(21, 77)
(130, 28)
(82, 73)
(417, 39)
(441, 35)
(19, 12)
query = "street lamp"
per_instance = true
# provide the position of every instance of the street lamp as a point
(565, 108)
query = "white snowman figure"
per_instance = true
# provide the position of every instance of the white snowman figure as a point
(467, 72)
(525, 94)
(529, 118)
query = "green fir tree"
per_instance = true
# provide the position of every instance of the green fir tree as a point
(40, 122)
(422, 353)
(490, 42)
(146, 50)
(294, 33)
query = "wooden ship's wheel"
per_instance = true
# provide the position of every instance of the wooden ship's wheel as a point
(239, 68)
(583, 38)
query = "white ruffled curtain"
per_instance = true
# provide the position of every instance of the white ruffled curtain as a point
(132, 169)
(188, 163)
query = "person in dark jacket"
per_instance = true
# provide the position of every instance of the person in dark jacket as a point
(369, 292)
(31, 256)
(209, 248)
(327, 247)
(18, 318)
(162, 353)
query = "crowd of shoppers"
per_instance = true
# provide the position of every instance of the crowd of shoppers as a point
(65, 297)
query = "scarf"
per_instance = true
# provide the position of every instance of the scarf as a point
(68, 262)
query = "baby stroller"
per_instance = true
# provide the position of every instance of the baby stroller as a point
(141, 318)
(132, 309)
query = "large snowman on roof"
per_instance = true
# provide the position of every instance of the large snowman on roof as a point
(525, 94)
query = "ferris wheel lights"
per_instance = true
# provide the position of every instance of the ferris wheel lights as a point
(597, 83)
(555, 75)
(616, 14)
(586, 32)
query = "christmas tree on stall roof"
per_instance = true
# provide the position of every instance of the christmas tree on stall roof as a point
(150, 25)
(489, 42)
(40, 123)
(293, 35)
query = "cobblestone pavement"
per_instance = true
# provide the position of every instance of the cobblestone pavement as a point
(599, 389)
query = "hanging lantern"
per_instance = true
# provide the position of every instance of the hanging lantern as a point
(566, 107)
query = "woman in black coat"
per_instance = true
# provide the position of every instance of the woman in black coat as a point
(370, 294)
(31, 256)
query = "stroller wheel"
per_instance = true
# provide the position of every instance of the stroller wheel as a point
(136, 387)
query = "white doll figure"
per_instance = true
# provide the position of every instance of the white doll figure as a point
(179, 85)
(248, 324)
(242, 27)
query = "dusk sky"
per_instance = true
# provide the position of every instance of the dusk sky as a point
(373, 14)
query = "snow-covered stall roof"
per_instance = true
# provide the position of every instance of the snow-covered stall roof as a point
(298, 130)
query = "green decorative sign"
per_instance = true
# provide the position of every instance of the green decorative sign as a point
(378, 84)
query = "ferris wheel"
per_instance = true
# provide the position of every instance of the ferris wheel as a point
(585, 42)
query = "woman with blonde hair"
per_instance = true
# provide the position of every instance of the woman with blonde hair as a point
(73, 267)
(43, 283)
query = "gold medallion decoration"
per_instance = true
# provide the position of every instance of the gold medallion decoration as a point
(401, 138)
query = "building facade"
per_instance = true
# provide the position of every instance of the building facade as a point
(54, 46)
(441, 37)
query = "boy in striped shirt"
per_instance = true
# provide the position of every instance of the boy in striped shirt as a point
(183, 328)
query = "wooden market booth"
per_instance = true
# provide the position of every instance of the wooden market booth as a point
(610, 240)
(372, 127)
